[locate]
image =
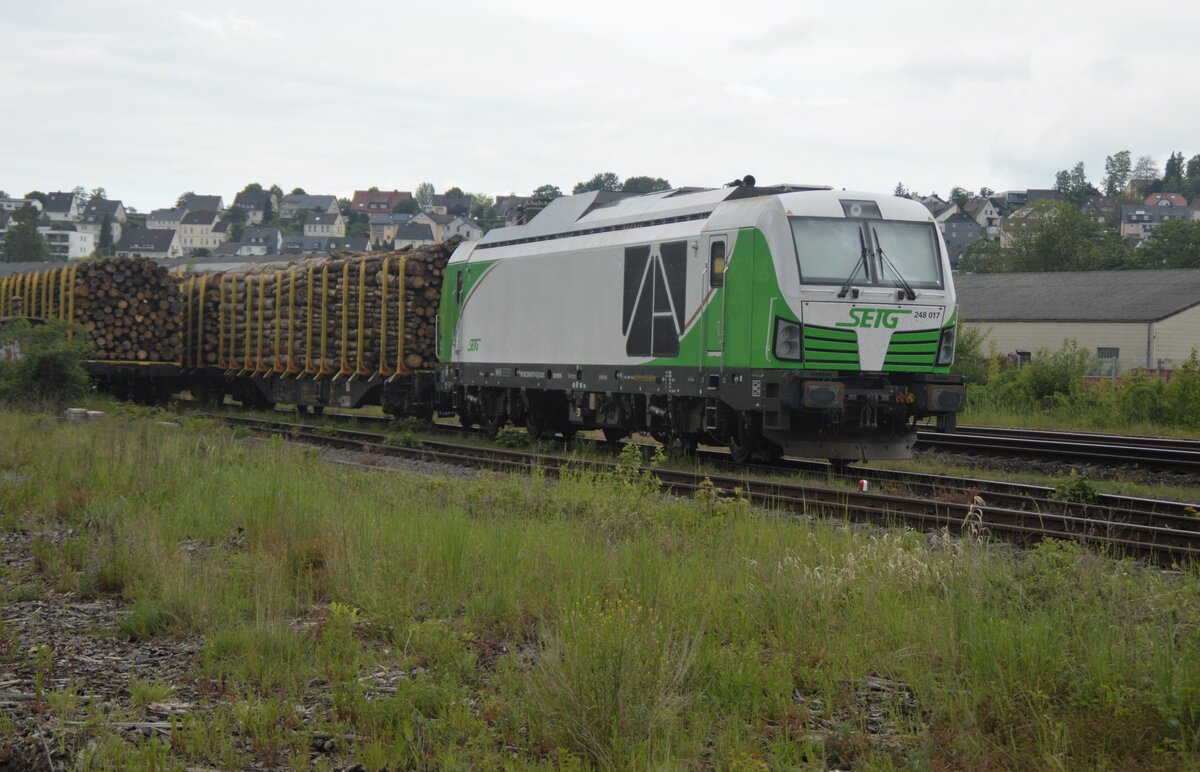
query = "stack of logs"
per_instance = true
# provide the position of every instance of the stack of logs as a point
(257, 318)
(130, 306)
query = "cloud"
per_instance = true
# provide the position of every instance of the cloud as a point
(223, 27)
(790, 34)
(966, 67)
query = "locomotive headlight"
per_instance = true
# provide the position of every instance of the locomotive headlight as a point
(787, 341)
(945, 356)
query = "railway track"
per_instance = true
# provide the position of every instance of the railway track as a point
(1153, 452)
(1161, 532)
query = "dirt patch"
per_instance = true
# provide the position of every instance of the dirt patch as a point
(60, 649)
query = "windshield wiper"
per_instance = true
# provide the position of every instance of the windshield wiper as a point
(901, 282)
(862, 261)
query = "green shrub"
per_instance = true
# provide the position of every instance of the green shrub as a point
(51, 364)
(1181, 395)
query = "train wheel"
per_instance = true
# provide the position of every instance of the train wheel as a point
(614, 435)
(743, 440)
(769, 452)
(536, 425)
(568, 433)
(839, 466)
(492, 424)
(318, 409)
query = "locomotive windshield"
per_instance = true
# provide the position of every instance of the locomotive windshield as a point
(829, 251)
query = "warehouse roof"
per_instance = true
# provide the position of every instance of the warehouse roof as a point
(1082, 296)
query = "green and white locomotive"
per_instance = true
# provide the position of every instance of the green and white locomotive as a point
(770, 319)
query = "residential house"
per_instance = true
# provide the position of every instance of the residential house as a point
(194, 203)
(959, 230)
(68, 245)
(384, 226)
(1137, 220)
(255, 241)
(932, 202)
(323, 245)
(5, 221)
(377, 201)
(96, 213)
(13, 204)
(256, 203)
(436, 222)
(985, 213)
(1195, 207)
(198, 230)
(1102, 209)
(150, 242)
(452, 205)
(412, 234)
(165, 219)
(300, 203)
(325, 224)
(463, 227)
(1033, 195)
(61, 207)
(1165, 199)
(509, 207)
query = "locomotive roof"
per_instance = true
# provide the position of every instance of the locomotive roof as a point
(603, 211)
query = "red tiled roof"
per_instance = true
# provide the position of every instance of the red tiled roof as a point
(377, 200)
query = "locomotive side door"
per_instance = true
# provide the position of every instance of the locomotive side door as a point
(717, 255)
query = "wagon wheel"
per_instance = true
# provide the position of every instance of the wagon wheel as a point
(839, 466)
(769, 452)
(536, 423)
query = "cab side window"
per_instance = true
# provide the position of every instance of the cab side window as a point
(716, 264)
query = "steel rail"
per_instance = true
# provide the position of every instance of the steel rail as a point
(1153, 542)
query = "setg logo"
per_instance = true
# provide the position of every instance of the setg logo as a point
(875, 317)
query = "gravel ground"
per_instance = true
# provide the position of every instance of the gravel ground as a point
(983, 462)
(86, 656)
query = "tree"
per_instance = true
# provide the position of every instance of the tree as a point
(985, 192)
(1146, 169)
(407, 206)
(298, 192)
(901, 191)
(344, 206)
(1193, 168)
(1073, 185)
(640, 185)
(22, 242)
(601, 181)
(1174, 170)
(276, 191)
(236, 217)
(959, 196)
(253, 187)
(1056, 236)
(97, 194)
(454, 191)
(1117, 169)
(105, 246)
(424, 194)
(546, 193)
(1172, 244)
(373, 189)
(483, 206)
(181, 202)
(3, 194)
(983, 256)
(81, 198)
(268, 211)
(36, 195)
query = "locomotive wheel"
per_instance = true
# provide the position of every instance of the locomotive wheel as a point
(769, 452)
(743, 441)
(839, 465)
(683, 447)
(492, 424)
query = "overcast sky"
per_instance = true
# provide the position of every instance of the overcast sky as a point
(150, 99)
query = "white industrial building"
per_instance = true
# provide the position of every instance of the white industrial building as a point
(1144, 319)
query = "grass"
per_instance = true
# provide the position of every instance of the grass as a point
(501, 621)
